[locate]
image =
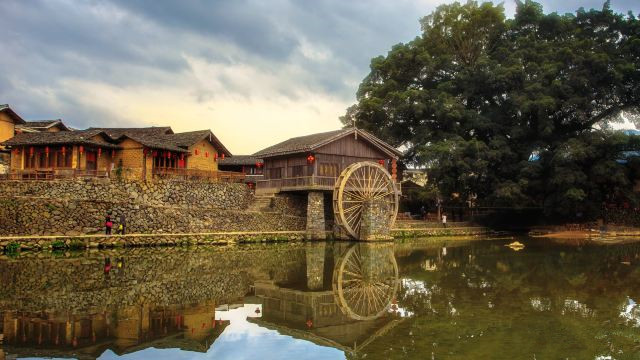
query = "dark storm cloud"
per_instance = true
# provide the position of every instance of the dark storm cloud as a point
(309, 46)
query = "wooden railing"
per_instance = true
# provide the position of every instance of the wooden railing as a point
(300, 183)
(193, 174)
(52, 174)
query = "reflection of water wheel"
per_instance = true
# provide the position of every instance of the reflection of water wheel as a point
(359, 183)
(365, 281)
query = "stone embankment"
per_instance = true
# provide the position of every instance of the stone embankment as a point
(76, 207)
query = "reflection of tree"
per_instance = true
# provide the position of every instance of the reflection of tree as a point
(488, 302)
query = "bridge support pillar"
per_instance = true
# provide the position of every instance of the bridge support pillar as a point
(374, 222)
(315, 265)
(315, 216)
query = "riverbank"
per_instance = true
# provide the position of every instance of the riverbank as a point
(64, 242)
(585, 233)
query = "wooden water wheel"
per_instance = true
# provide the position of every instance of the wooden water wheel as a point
(360, 183)
(365, 281)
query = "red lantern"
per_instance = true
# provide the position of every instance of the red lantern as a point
(155, 153)
(145, 151)
(46, 150)
(168, 154)
(311, 159)
(31, 151)
(258, 164)
(182, 157)
(64, 150)
(197, 152)
(99, 152)
(206, 154)
(381, 162)
(215, 156)
(222, 156)
(81, 149)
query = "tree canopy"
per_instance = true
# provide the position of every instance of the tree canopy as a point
(516, 110)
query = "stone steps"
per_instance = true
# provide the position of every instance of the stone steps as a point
(261, 203)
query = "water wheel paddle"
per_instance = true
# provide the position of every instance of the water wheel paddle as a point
(358, 184)
(365, 281)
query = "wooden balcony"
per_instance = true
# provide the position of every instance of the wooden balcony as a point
(192, 174)
(301, 183)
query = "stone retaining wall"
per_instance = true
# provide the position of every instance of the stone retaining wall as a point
(74, 207)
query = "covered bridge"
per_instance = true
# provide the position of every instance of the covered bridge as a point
(314, 162)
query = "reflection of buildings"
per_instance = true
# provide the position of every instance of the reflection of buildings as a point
(123, 330)
(329, 306)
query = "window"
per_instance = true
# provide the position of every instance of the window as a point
(275, 173)
(298, 170)
(64, 160)
(328, 169)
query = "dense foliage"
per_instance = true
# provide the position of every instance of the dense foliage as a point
(516, 110)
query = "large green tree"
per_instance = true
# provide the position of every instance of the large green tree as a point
(513, 110)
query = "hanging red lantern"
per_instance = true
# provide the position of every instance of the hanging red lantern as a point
(197, 152)
(81, 149)
(168, 154)
(64, 150)
(206, 154)
(259, 164)
(31, 151)
(99, 152)
(222, 156)
(46, 150)
(215, 156)
(381, 162)
(182, 157)
(155, 153)
(310, 159)
(145, 151)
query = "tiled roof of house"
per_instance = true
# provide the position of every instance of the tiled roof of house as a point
(311, 142)
(186, 139)
(43, 124)
(80, 137)
(239, 160)
(16, 117)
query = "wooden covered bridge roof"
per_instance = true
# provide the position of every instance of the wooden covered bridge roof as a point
(309, 143)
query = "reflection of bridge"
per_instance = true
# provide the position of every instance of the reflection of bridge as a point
(346, 310)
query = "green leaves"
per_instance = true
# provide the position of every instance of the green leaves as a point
(476, 94)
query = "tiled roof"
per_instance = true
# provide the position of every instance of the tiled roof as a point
(186, 139)
(239, 160)
(314, 141)
(81, 137)
(143, 131)
(16, 117)
(43, 124)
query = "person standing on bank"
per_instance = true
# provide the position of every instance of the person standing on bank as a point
(108, 224)
(444, 220)
(123, 224)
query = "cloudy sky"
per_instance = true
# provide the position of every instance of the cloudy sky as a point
(255, 72)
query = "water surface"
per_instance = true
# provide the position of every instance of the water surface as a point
(434, 299)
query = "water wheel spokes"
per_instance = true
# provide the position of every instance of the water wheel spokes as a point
(358, 184)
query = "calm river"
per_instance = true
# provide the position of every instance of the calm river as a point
(429, 299)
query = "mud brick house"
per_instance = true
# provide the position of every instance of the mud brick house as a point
(49, 149)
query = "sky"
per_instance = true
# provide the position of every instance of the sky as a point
(254, 72)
